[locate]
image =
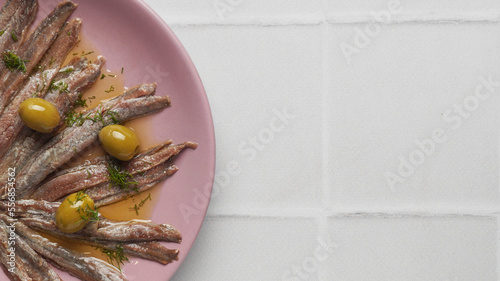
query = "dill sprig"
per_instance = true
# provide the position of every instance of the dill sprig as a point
(114, 256)
(52, 60)
(143, 201)
(75, 119)
(111, 89)
(14, 36)
(13, 62)
(120, 178)
(86, 54)
(67, 70)
(87, 213)
(81, 101)
(61, 86)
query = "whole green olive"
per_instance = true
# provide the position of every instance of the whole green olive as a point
(39, 114)
(119, 141)
(75, 212)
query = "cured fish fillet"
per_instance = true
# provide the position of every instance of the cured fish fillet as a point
(33, 50)
(72, 140)
(37, 84)
(95, 172)
(77, 264)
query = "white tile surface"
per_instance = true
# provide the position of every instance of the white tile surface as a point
(401, 88)
(249, 249)
(418, 248)
(200, 11)
(323, 174)
(254, 86)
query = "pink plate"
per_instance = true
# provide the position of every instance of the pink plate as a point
(130, 35)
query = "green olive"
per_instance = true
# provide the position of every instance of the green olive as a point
(39, 114)
(74, 212)
(119, 141)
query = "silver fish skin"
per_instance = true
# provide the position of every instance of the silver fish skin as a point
(77, 264)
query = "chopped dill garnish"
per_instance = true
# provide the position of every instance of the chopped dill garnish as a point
(81, 101)
(35, 95)
(122, 70)
(111, 75)
(67, 70)
(41, 68)
(13, 62)
(114, 256)
(93, 214)
(52, 60)
(13, 35)
(61, 86)
(69, 33)
(41, 87)
(2, 32)
(86, 54)
(120, 178)
(88, 173)
(103, 76)
(114, 116)
(74, 119)
(88, 213)
(80, 195)
(111, 89)
(138, 207)
(74, 54)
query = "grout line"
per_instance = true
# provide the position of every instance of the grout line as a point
(498, 220)
(389, 212)
(323, 231)
(498, 247)
(336, 18)
(324, 118)
(422, 17)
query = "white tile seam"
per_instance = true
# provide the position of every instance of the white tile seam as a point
(498, 248)
(323, 221)
(313, 213)
(340, 18)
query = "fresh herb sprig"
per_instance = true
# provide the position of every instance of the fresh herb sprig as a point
(61, 86)
(106, 117)
(14, 62)
(114, 256)
(120, 178)
(87, 213)
(137, 207)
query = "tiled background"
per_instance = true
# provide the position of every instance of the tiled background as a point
(316, 106)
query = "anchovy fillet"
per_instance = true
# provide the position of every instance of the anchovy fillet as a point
(27, 259)
(40, 215)
(34, 48)
(17, 16)
(10, 122)
(72, 140)
(29, 141)
(17, 272)
(94, 173)
(106, 194)
(77, 264)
